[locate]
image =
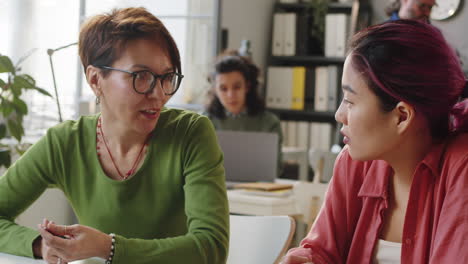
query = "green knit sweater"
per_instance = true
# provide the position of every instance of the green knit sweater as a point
(173, 210)
(263, 122)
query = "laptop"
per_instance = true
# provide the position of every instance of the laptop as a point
(249, 156)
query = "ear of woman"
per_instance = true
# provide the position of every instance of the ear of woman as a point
(92, 77)
(404, 116)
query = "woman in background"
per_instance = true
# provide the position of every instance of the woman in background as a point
(146, 183)
(399, 192)
(235, 103)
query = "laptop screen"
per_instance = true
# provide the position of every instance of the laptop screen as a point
(249, 156)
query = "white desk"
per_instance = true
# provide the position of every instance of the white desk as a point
(241, 203)
(298, 203)
(12, 259)
(303, 204)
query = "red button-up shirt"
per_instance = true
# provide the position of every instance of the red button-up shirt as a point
(436, 222)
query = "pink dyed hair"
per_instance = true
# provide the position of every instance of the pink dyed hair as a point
(410, 61)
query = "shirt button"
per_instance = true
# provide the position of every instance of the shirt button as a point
(408, 241)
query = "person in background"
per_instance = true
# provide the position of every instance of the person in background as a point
(235, 103)
(399, 193)
(152, 177)
(410, 9)
(419, 10)
(416, 9)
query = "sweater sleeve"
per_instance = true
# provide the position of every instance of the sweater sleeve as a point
(206, 208)
(274, 126)
(20, 186)
(329, 239)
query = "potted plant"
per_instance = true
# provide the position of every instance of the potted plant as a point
(317, 32)
(12, 108)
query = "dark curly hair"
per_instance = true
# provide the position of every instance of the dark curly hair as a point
(231, 61)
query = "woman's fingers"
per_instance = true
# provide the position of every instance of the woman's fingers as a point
(51, 255)
(61, 261)
(74, 242)
(51, 240)
(45, 222)
(60, 230)
(291, 259)
(57, 242)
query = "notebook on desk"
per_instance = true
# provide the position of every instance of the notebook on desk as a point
(249, 156)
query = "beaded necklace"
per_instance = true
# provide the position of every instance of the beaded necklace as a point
(137, 160)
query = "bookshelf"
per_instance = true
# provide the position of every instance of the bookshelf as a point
(308, 61)
(305, 115)
(332, 6)
(355, 14)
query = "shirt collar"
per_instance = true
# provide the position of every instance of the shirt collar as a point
(394, 16)
(376, 179)
(378, 172)
(434, 159)
(240, 114)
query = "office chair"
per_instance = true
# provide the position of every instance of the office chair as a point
(259, 239)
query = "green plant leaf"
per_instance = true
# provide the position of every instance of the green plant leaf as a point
(6, 108)
(5, 157)
(2, 83)
(15, 89)
(20, 106)
(42, 91)
(24, 81)
(15, 129)
(3, 130)
(6, 65)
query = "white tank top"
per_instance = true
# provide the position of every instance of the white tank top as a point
(387, 252)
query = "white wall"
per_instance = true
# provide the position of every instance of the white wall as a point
(52, 205)
(455, 31)
(248, 19)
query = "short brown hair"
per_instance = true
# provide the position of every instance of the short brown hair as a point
(103, 37)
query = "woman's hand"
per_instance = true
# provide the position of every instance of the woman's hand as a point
(41, 250)
(298, 255)
(70, 243)
(290, 259)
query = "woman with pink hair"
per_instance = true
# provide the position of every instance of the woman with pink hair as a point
(399, 193)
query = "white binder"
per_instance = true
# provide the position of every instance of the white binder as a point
(330, 35)
(277, 48)
(321, 89)
(341, 34)
(336, 34)
(280, 80)
(332, 88)
(290, 34)
(320, 136)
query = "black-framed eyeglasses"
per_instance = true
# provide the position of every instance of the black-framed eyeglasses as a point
(144, 81)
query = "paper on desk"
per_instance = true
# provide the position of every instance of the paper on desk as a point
(279, 193)
(264, 186)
